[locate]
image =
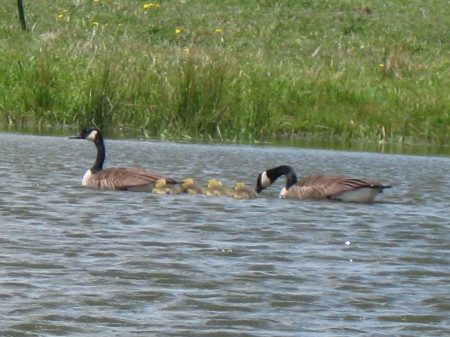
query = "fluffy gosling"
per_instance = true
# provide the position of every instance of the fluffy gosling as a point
(188, 186)
(162, 187)
(215, 188)
(241, 192)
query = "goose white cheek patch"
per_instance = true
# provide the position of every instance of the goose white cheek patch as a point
(265, 181)
(92, 136)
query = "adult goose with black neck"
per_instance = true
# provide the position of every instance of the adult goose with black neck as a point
(332, 187)
(120, 178)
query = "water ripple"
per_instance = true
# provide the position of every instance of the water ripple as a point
(80, 262)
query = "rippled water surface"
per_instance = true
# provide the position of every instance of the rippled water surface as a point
(82, 262)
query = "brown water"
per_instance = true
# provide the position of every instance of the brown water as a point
(82, 262)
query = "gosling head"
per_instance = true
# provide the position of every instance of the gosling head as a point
(187, 182)
(214, 183)
(161, 183)
(239, 186)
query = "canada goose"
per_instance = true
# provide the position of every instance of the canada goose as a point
(332, 187)
(241, 192)
(132, 179)
(188, 186)
(161, 187)
(216, 188)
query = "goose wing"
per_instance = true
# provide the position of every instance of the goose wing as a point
(124, 178)
(325, 186)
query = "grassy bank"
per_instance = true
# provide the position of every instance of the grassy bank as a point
(237, 70)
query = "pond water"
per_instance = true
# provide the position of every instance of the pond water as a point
(83, 262)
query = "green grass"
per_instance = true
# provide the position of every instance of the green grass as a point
(242, 70)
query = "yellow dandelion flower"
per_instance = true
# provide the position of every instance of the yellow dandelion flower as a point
(65, 10)
(186, 50)
(178, 31)
(150, 5)
(96, 0)
(95, 23)
(60, 16)
(381, 65)
(218, 30)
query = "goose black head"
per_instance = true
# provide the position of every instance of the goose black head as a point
(90, 133)
(267, 177)
(263, 181)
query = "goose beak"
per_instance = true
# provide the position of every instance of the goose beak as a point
(259, 186)
(78, 136)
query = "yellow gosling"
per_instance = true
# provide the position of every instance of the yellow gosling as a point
(215, 189)
(188, 186)
(241, 192)
(162, 187)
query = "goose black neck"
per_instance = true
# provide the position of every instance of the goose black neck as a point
(101, 153)
(286, 170)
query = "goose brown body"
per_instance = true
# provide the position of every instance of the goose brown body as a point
(333, 187)
(120, 178)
